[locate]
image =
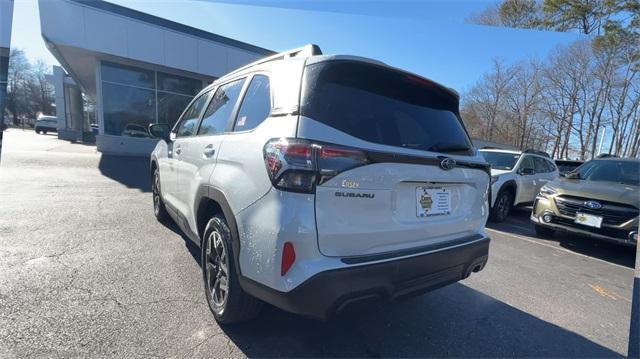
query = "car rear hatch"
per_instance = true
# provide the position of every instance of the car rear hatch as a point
(397, 168)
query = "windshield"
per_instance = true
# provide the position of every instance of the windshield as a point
(626, 172)
(384, 106)
(501, 160)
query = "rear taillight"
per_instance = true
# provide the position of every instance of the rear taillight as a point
(299, 165)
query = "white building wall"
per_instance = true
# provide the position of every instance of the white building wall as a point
(81, 36)
(73, 24)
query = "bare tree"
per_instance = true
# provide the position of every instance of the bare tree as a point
(487, 97)
(28, 91)
(19, 77)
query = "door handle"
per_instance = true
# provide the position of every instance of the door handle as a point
(208, 151)
(177, 150)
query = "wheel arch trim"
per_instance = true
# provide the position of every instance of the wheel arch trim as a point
(208, 192)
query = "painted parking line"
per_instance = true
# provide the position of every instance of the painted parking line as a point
(608, 294)
(558, 248)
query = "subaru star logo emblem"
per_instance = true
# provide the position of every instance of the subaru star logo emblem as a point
(593, 205)
(447, 163)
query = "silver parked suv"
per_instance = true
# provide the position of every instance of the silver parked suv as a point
(313, 181)
(516, 178)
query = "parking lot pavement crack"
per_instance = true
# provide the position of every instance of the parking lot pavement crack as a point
(53, 256)
(189, 352)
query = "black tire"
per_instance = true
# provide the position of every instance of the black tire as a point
(44, 132)
(236, 305)
(38, 131)
(502, 206)
(542, 231)
(159, 209)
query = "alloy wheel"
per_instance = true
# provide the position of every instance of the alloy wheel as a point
(503, 205)
(156, 194)
(217, 269)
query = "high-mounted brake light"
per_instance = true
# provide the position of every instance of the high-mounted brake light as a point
(299, 165)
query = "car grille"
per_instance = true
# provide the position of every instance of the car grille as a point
(612, 213)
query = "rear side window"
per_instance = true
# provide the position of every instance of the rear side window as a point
(218, 113)
(551, 165)
(256, 104)
(541, 165)
(527, 163)
(384, 106)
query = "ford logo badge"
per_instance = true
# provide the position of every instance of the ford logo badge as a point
(447, 163)
(593, 205)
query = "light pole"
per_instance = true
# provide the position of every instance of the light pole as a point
(604, 131)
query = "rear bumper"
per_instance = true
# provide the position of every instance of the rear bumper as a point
(328, 292)
(48, 129)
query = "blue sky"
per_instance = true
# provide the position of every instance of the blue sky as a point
(426, 37)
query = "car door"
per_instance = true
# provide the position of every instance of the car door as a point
(550, 173)
(526, 180)
(200, 152)
(168, 166)
(183, 132)
(544, 172)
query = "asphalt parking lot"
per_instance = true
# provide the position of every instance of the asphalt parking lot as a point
(85, 270)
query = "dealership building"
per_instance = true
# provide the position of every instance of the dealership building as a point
(134, 68)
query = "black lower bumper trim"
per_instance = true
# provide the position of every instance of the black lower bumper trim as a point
(327, 292)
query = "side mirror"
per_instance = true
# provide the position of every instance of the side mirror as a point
(159, 131)
(527, 172)
(572, 175)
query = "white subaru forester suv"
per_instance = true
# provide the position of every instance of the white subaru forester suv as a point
(314, 181)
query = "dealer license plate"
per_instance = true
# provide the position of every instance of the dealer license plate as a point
(588, 220)
(433, 201)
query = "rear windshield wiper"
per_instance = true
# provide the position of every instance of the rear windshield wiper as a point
(449, 148)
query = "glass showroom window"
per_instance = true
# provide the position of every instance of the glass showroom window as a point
(174, 94)
(134, 98)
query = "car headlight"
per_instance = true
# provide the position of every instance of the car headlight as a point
(494, 179)
(547, 191)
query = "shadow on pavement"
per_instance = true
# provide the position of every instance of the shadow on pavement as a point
(132, 172)
(453, 321)
(610, 252)
(193, 249)
(518, 223)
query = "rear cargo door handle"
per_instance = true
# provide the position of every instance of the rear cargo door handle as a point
(209, 151)
(177, 150)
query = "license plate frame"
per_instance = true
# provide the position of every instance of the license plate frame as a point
(433, 201)
(589, 220)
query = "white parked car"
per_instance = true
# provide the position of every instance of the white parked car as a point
(314, 181)
(46, 124)
(516, 178)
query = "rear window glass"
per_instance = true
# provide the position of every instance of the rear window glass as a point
(384, 106)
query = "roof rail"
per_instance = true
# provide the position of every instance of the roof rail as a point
(536, 152)
(304, 51)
